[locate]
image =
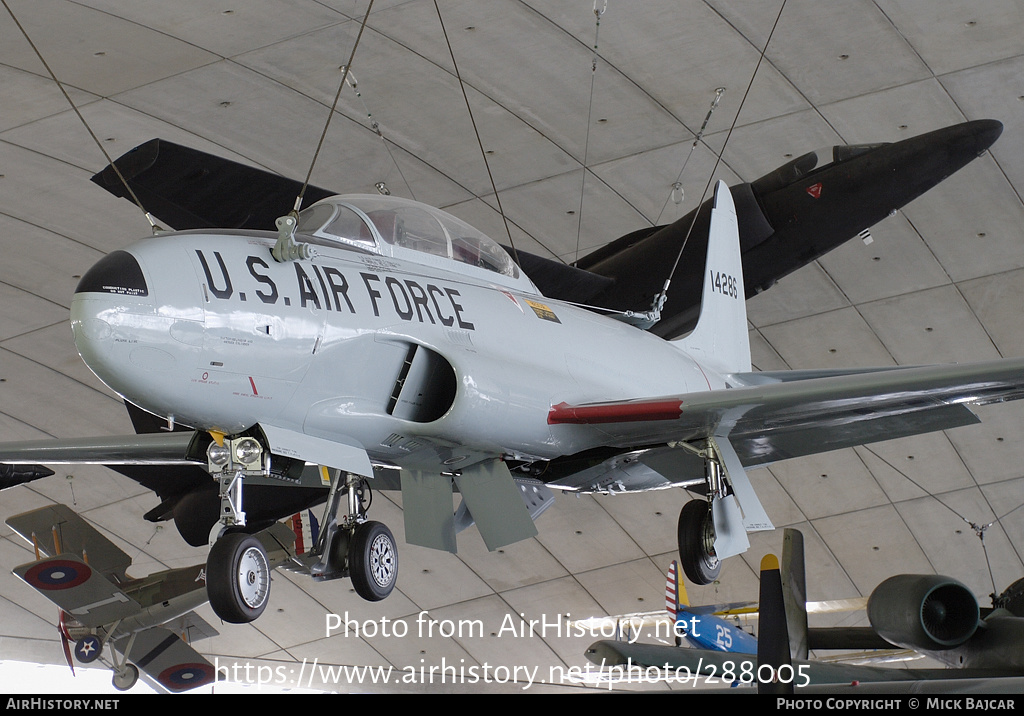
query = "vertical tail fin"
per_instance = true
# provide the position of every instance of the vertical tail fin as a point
(675, 591)
(720, 339)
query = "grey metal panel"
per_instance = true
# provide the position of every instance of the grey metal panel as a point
(150, 449)
(786, 443)
(494, 501)
(427, 507)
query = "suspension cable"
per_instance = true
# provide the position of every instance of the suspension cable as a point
(462, 86)
(149, 217)
(696, 140)
(659, 299)
(979, 530)
(375, 127)
(330, 115)
(590, 110)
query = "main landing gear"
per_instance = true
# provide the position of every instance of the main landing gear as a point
(696, 529)
(696, 535)
(238, 571)
(352, 546)
(89, 647)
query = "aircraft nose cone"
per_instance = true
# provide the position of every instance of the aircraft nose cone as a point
(118, 272)
(976, 136)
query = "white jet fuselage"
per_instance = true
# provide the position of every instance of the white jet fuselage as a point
(216, 334)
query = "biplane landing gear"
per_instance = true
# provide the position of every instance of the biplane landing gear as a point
(125, 677)
(238, 578)
(696, 535)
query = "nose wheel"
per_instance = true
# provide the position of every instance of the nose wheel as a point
(238, 578)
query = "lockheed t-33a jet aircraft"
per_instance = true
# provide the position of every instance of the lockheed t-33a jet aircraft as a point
(375, 337)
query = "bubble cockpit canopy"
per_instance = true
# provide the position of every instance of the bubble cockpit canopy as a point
(392, 226)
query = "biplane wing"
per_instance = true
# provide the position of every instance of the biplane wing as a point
(167, 659)
(78, 589)
(57, 529)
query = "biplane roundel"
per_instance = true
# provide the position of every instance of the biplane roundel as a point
(59, 574)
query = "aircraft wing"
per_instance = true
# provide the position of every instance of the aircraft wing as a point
(771, 419)
(57, 529)
(170, 448)
(189, 189)
(167, 659)
(79, 590)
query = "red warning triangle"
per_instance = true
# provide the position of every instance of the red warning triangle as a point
(814, 190)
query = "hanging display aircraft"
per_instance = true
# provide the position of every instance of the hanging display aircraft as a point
(930, 614)
(787, 218)
(374, 335)
(702, 626)
(142, 620)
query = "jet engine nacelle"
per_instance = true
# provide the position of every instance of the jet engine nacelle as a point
(923, 611)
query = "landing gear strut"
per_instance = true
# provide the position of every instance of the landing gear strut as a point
(237, 570)
(125, 677)
(696, 529)
(351, 546)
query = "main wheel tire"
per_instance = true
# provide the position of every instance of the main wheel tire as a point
(125, 678)
(373, 561)
(696, 534)
(238, 578)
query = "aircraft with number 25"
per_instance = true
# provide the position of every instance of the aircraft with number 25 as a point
(376, 340)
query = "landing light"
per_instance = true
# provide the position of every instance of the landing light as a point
(247, 451)
(218, 454)
(244, 453)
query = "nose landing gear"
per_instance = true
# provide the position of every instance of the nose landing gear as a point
(238, 571)
(238, 578)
